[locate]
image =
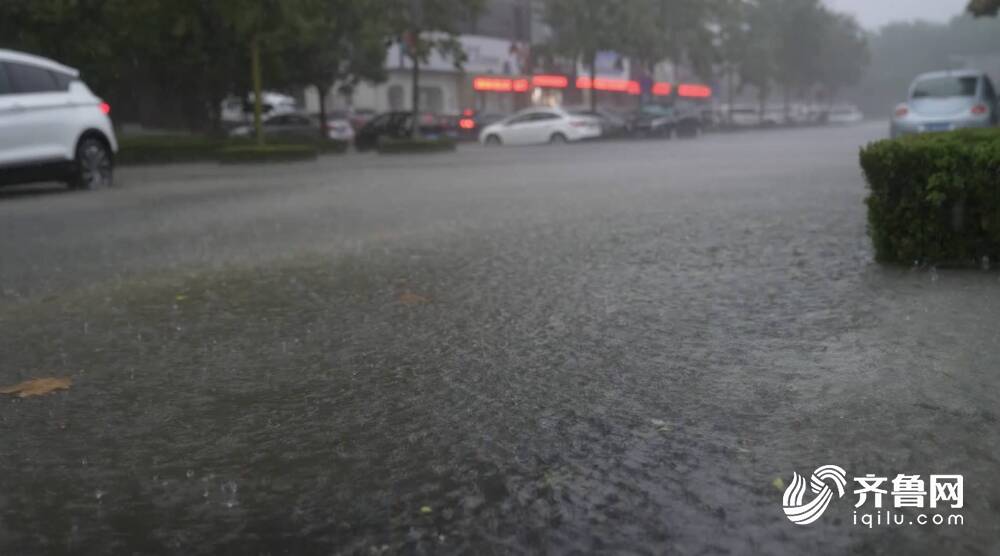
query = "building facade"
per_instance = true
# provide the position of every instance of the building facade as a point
(497, 76)
(496, 42)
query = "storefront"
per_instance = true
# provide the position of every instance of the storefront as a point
(444, 88)
(494, 79)
(505, 94)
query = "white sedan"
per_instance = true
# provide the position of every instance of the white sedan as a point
(540, 125)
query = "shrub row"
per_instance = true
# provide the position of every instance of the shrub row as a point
(388, 145)
(934, 198)
(166, 149)
(242, 154)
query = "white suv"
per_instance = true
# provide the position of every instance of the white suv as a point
(52, 127)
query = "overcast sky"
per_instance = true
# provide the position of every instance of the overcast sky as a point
(875, 13)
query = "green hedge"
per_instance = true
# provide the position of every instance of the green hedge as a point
(399, 146)
(935, 198)
(329, 146)
(266, 153)
(167, 149)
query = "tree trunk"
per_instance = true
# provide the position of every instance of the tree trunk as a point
(593, 82)
(729, 94)
(762, 99)
(323, 126)
(415, 132)
(257, 93)
(786, 104)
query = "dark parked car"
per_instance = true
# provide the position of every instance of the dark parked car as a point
(661, 120)
(397, 125)
(652, 120)
(692, 117)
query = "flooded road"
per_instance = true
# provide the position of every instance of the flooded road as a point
(602, 348)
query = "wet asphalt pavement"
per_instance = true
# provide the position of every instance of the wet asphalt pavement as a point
(599, 348)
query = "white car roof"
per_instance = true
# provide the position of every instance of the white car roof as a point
(950, 73)
(24, 58)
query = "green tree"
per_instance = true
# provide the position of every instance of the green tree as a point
(265, 24)
(582, 28)
(799, 27)
(757, 63)
(157, 61)
(690, 28)
(981, 8)
(425, 26)
(733, 39)
(685, 32)
(843, 55)
(344, 41)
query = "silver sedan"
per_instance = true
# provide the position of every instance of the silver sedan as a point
(946, 100)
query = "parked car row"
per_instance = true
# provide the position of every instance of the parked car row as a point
(298, 125)
(529, 126)
(794, 114)
(576, 123)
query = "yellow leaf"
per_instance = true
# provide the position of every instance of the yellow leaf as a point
(425, 509)
(37, 387)
(410, 298)
(180, 297)
(778, 483)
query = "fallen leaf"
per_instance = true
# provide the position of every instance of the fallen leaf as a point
(425, 509)
(180, 297)
(37, 387)
(410, 298)
(778, 483)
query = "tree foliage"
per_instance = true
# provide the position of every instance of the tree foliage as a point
(164, 62)
(425, 26)
(582, 28)
(795, 45)
(981, 8)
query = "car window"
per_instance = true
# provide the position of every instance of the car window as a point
(988, 91)
(298, 120)
(63, 80)
(523, 118)
(31, 79)
(543, 116)
(5, 87)
(944, 87)
(277, 120)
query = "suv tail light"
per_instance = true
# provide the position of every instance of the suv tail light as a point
(105, 108)
(902, 111)
(979, 109)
